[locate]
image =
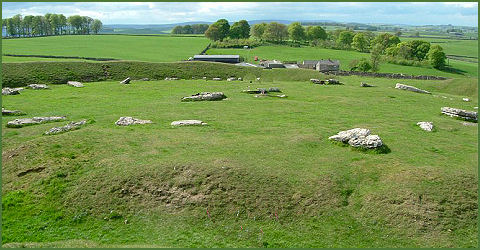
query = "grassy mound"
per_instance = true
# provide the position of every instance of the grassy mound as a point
(262, 174)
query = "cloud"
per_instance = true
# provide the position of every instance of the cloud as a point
(463, 5)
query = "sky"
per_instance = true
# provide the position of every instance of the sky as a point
(412, 13)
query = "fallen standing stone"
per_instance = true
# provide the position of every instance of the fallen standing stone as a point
(465, 99)
(231, 79)
(18, 123)
(10, 91)
(366, 85)
(410, 88)
(145, 79)
(127, 120)
(37, 86)
(358, 137)
(75, 84)
(11, 112)
(188, 123)
(460, 113)
(240, 79)
(171, 78)
(205, 96)
(427, 126)
(217, 79)
(126, 81)
(333, 82)
(274, 89)
(70, 126)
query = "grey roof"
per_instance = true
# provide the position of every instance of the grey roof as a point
(217, 56)
(329, 62)
(291, 66)
(247, 65)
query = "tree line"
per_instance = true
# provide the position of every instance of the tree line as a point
(49, 25)
(190, 29)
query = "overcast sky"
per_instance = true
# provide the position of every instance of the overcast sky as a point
(167, 12)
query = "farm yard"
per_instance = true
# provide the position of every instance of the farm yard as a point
(223, 134)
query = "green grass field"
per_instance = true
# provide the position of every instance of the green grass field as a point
(176, 48)
(264, 169)
(142, 48)
(451, 46)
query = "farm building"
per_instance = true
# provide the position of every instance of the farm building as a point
(309, 64)
(328, 65)
(321, 65)
(217, 58)
(272, 64)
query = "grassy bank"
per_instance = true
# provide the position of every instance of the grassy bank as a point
(22, 74)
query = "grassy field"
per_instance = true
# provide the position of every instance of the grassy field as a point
(451, 46)
(142, 48)
(264, 169)
(176, 48)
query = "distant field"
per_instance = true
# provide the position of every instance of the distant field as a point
(261, 174)
(451, 46)
(143, 48)
(310, 53)
(165, 48)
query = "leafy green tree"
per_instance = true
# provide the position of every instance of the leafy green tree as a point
(275, 32)
(76, 23)
(240, 30)
(224, 27)
(199, 28)
(296, 31)
(436, 56)
(375, 57)
(257, 30)
(385, 40)
(177, 29)
(96, 26)
(345, 39)
(419, 49)
(62, 22)
(316, 33)
(214, 32)
(187, 29)
(360, 42)
(363, 65)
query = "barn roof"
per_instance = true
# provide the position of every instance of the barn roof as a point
(328, 62)
(216, 56)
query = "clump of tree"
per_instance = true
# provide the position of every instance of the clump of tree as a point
(190, 29)
(436, 56)
(360, 65)
(417, 53)
(49, 25)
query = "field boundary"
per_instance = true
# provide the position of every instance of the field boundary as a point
(65, 57)
(385, 75)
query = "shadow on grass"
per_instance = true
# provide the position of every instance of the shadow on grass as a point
(453, 70)
(384, 149)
